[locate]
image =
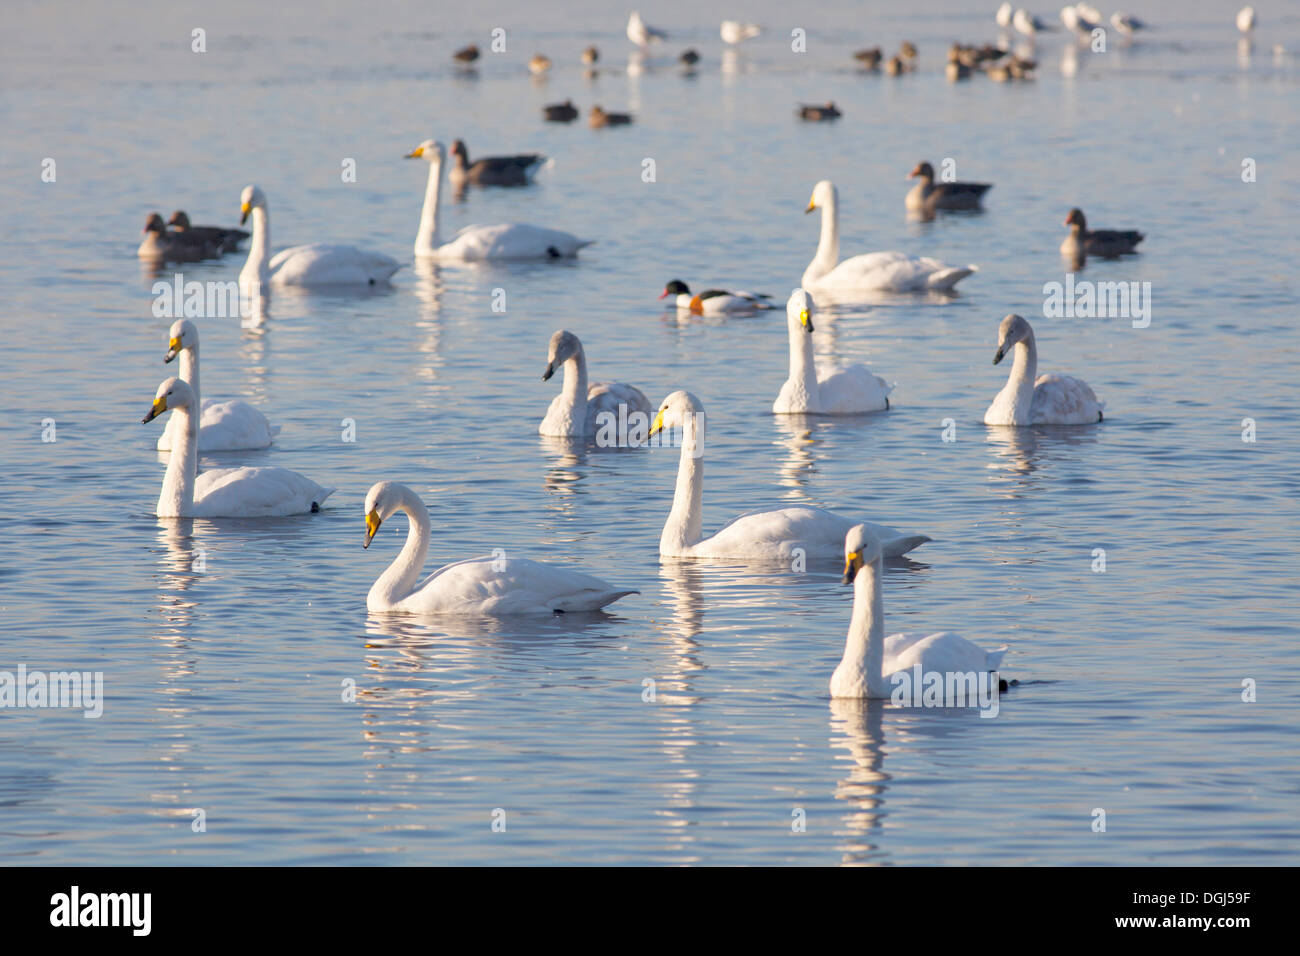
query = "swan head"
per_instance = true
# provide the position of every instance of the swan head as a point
(1014, 328)
(924, 170)
(1075, 218)
(179, 220)
(251, 198)
(383, 500)
(676, 410)
(172, 393)
(861, 548)
(799, 310)
(154, 224)
(184, 334)
(823, 194)
(431, 151)
(676, 287)
(564, 346)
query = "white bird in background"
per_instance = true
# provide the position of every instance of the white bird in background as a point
(819, 388)
(1076, 22)
(733, 31)
(641, 33)
(1246, 19)
(871, 659)
(1089, 12)
(1004, 14)
(1051, 399)
(1127, 23)
(1027, 23)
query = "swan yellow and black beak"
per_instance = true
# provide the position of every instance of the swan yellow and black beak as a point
(812, 204)
(244, 210)
(806, 319)
(852, 565)
(173, 349)
(415, 153)
(372, 525)
(550, 370)
(159, 406)
(999, 355)
(658, 425)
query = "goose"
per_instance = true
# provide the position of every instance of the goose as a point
(1246, 19)
(825, 390)
(599, 119)
(926, 196)
(886, 271)
(689, 58)
(871, 659)
(539, 64)
(1045, 400)
(908, 52)
(869, 58)
(1127, 23)
(226, 240)
(488, 586)
(715, 301)
(159, 245)
(818, 113)
(759, 535)
(223, 426)
(319, 264)
(477, 243)
(894, 66)
(564, 112)
(590, 56)
(516, 170)
(1105, 243)
(733, 31)
(223, 492)
(466, 54)
(955, 70)
(642, 34)
(579, 410)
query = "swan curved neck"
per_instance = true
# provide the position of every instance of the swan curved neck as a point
(256, 268)
(426, 240)
(828, 246)
(682, 530)
(574, 392)
(190, 372)
(803, 365)
(864, 649)
(177, 497)
(399, 580)
(1020, 382)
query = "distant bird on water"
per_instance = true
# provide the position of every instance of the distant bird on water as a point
(642, 34)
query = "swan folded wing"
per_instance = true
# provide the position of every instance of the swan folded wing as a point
(610, 396)
(491, 586)
(326, 264)
(776, 534)
(851, 389)
(943, 652)
(1063, 400)
(511, 241)
(895, 272)
(255, 493)
(227, 426)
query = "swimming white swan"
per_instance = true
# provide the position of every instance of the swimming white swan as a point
(579, 410)
(733, 31)
(223, 426)
(489, 586)
(474, 243)
(319, 264)
(870, 658)
(824, 390)
(883, 271)
(641, 33)
(223, 492)
(1046, 400)
(758, 535)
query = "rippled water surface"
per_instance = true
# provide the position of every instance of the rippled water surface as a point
(224, 685)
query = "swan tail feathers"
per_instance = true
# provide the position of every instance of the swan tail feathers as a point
(900, 546)
(945, 279)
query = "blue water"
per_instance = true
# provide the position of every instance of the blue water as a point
(224, 687)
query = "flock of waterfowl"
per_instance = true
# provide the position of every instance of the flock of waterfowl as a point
(512, 585)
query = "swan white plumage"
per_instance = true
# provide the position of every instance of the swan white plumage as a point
(1004, 14)
(1028, 24)
(580, 410)
(641, 33)
(872, 271)
(223, 426)
(223, 492)
(489, 586)
(755, 536)
(715, 301)
(870, 659)
(823, 390)
(318, 264)
(477, 243)
(733, 31)
(1046, 400)
(1246, 19)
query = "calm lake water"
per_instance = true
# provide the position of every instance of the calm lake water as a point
(223, 686)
